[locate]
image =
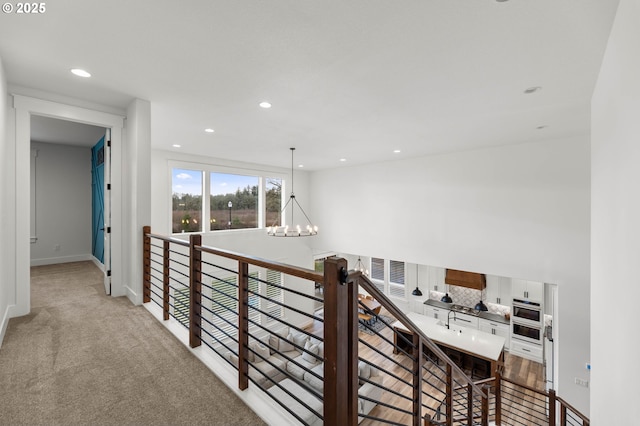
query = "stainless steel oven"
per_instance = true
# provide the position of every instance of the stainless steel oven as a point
(527, 312)
(527, 321)
(527, 333)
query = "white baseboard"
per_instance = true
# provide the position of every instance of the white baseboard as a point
(61, 259)
(133, 297)
(4, 323)
(96, 262)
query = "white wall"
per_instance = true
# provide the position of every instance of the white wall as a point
(137, 195)
(519, 211)
(63, 204)
(616, 224)
(293, 251)
(7, 263)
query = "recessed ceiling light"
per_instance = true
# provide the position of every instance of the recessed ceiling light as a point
(532, 89)
(396, 151)
(209, 130)
(343, 159)
(175, 145)
(80, 72)
(300, 165)
(544, 126)
(265, 105)
(502, 1)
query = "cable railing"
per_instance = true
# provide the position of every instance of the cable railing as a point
(329, 348)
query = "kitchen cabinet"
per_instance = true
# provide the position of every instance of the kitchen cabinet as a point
(437, 313)
(526, 350)
(529, 290)
(464, 320)
(498, 290)
(436, 279)
(416, 304)
(495, 328)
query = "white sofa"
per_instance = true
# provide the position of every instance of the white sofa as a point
(300, 366)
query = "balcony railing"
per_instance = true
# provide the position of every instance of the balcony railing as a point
(313, 344)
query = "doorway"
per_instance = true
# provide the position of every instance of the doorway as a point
(24, 108)
(64, 193)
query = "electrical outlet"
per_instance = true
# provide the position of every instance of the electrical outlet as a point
(582, 382)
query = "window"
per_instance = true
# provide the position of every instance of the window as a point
(396, 278)
(181, 305)
(275, 294)
(377, 272)
(187, 192)
(224, 305)
(234, 201)
(273, 201)
(225, 302)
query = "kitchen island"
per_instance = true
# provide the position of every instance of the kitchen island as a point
(466, 341)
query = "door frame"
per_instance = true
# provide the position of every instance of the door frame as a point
(25, 107)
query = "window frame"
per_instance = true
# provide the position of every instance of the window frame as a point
(206, 170)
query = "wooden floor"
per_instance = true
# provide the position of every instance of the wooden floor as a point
(378, 350)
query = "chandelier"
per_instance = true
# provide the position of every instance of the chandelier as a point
(276, 230)
(359, 267)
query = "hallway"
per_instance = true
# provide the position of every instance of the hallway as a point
(81, 357)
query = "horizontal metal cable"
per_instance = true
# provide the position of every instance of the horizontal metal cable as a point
(232, 271)
(535, 402)
(516, 407)
(179, 272)
(180, 253)
(287, 289)
(389, 358)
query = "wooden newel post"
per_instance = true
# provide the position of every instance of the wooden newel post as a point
(552, 407)
(485, 405)
(427, 420)
(166, 259)
(417, 378)
(195, 278)
(146, 264)
(498, 393)
(340, 346)
(449, 397)
(243, 325)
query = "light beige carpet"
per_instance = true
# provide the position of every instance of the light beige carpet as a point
(84, 358)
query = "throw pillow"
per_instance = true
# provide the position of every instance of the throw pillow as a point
(300, 339)
(309, 350)
(364, 370)
(284, 345)
(262, 352)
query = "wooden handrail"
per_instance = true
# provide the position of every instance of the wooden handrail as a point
(341, 322)
(585, 419)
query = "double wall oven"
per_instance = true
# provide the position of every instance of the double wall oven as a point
(527, 321)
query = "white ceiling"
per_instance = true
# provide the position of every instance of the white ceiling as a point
(51, 130)
(350, 79)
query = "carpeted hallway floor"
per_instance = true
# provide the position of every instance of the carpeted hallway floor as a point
(83, 358)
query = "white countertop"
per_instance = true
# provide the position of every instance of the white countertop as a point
(485, 345)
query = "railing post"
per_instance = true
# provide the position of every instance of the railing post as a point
(498, 393)
(427, 420)
(469, 404)
(449, 397)
(146, 264)
(243, 325)
(417, 379)
(166, 258)
(195, 277)
(485, 405)
(552, 407)
(341, 346)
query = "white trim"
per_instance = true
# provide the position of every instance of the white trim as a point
(25, 107)
(61, 259)
(5, 322)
